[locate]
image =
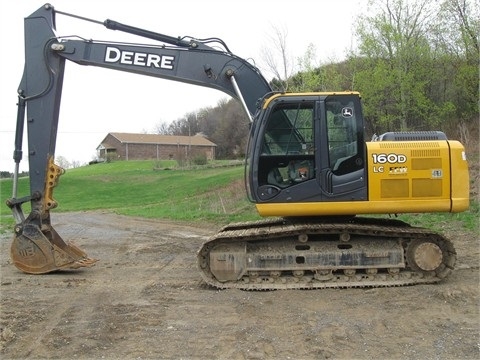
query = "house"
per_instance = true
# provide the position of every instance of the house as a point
(128, 146)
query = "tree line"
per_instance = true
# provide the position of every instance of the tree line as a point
(416, 64)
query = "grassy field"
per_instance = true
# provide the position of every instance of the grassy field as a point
(160, 190)
(143, 188)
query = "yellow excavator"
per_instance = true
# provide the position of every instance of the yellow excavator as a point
(309, 171)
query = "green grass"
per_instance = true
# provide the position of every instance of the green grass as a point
(468, 220)
(161, 190)
(213, 194)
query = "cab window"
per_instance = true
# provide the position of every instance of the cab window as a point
(343, 141)
(288, 145)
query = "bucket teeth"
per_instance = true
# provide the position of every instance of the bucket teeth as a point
(34, 253)
(86, 262)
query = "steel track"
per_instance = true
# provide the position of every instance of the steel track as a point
(316, 277)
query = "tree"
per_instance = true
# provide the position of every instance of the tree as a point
(310, 77)
(397, 58)
(315, 77)
(417, 63)
(456, 42)
(75, 164)
(226, 125)
(231, 133)
(62, 162)
(277, 50)
(461, 27)
(162, 128)
(5, 174)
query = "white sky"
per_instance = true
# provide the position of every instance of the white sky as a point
(97, 101)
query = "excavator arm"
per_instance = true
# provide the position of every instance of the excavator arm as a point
(37, 247)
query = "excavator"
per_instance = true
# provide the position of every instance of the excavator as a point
(309, 171)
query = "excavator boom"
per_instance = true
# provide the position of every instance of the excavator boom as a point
(37, 247)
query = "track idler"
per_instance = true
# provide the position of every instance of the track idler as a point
(34, 251)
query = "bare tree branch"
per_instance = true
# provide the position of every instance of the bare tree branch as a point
(277, 58)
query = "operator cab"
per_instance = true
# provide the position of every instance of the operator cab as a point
(307, 148)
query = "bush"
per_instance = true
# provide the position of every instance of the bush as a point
(200, 160)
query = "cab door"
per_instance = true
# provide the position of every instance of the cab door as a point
(308, 148)
(342, 152)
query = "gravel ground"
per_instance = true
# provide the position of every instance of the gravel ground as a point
(145, 299)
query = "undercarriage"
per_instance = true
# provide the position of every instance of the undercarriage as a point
(324, 253)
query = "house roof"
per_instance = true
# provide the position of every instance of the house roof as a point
(129, 138)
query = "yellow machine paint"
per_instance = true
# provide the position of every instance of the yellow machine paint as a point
(403, 177)
(406, 171)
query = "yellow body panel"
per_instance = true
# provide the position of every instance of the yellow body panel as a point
(418, 172)
(403, 177)
(460, 178)
(351, 208)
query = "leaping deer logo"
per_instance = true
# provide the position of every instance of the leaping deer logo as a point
(347, 112)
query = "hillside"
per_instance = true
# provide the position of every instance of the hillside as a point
(150, 190)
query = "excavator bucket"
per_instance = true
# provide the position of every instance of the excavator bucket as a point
(37, 248)
(37, 252)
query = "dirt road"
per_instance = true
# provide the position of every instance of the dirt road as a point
(145, 299)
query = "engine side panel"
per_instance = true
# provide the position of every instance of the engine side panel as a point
(406, 171)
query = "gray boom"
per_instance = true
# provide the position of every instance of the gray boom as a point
(40, 90)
